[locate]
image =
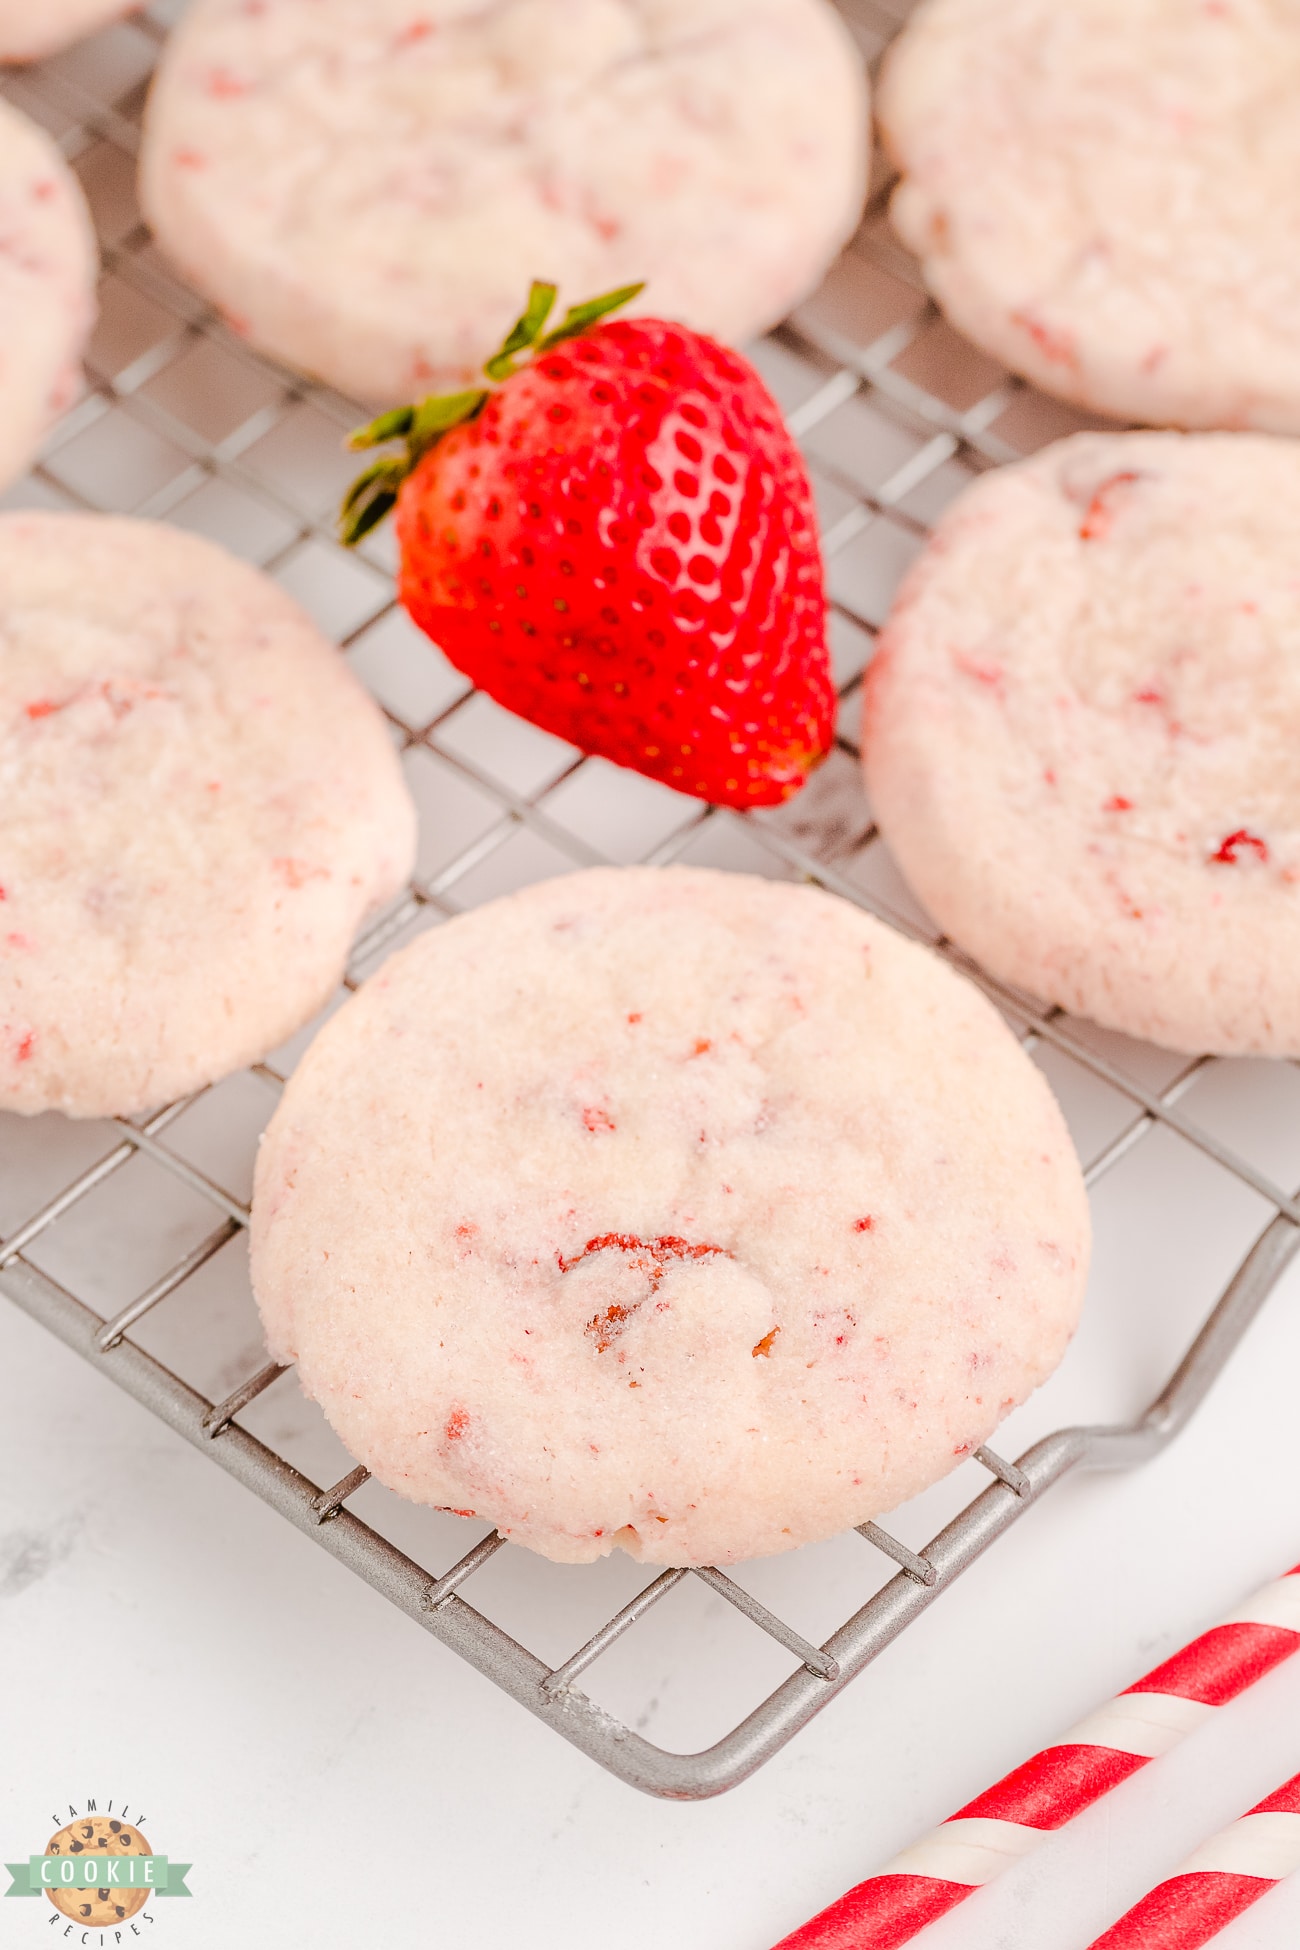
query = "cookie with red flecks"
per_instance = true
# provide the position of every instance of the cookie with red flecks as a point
(1081, 732)
(48, 267)
(365, 187)
(1106, 196)
(200, 804)
(667, 1210)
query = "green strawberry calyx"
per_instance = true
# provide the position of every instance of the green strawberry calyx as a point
(420, 427)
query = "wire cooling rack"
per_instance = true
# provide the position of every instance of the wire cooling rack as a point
(125, 1238)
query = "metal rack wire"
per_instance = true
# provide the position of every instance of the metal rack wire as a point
(183, 422)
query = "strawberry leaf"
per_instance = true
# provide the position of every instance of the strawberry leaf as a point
(387, 471)
(363, 519)
(525, 331)
(421, 426)
(578, 317)
(369, 499)
(389, 426)
(436, 416)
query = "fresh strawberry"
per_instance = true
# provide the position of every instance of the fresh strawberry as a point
(617, 541)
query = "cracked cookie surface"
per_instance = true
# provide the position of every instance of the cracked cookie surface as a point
(668, 1210)
(367, 187)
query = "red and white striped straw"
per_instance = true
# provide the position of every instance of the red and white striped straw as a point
(998, 1827)
(1225, 1876)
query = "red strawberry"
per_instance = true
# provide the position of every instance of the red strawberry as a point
(618, 543)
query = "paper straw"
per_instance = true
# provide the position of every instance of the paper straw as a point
(1225, 1876)
(998, 1827)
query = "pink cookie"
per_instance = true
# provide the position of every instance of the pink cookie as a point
(48, 267)
(668, 1209)
(1082, 729)
(31, 29)
(367, 187)
(200, 804)
(1106, 195)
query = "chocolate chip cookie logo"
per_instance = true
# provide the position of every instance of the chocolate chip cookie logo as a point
(99, 1871)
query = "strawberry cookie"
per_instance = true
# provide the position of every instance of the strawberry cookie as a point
(31, 29)
(200, 804)
(1106, 195)
(671, 1210)
(365, 187)
(1081, 733)
(48, 267)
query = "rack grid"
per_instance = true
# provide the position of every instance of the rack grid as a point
(182, 421)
